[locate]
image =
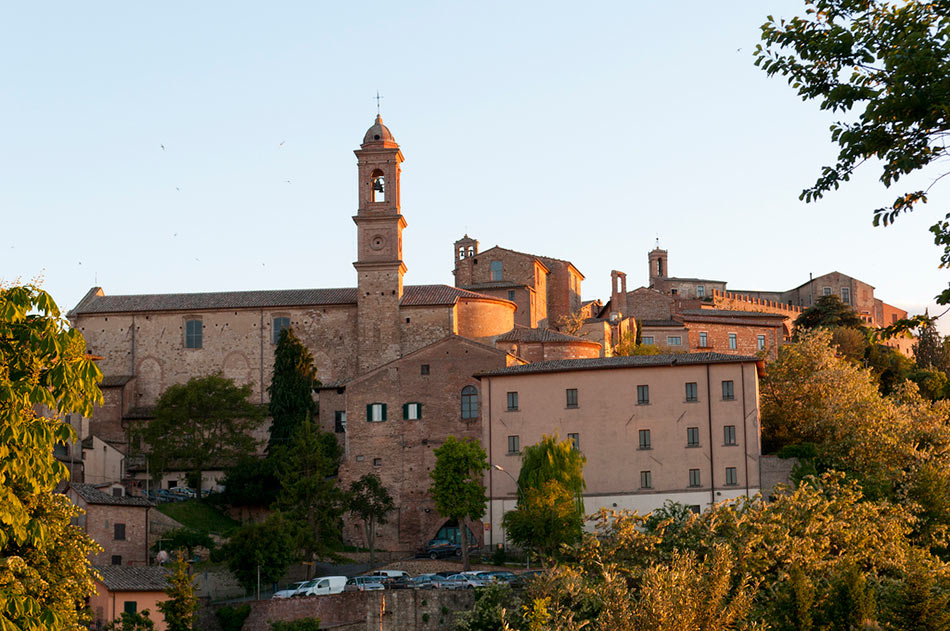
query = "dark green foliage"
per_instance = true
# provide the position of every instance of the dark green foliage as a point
(369, 501)
(850, 343)
(550, 509)
(829, 313)
(231, 618)
(301, 624)
(291, 389)
(251, 482)
(885, 67)
(457, 488)
(922, 604)
(138, 621)
(180, 610)
(309, 494)
(184, 538)
(931, 350)
(269, 545)
(851, 605)
(931, 383)
(889, 366)
(795, 603)
(201, 425)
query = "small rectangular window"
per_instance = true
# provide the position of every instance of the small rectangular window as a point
(279, 325)
(512, 401)
(728, 390)
(131, 607)
(729, 435)
(339, 421)
(645, 439)
(116, 559)
(731, 478)
(694, 478)
(846, 295)
(511, 295)
(376, 412)
(496, 270)
(692, 392)
(575, 441)
(694, 508)
(643, 395)
(826, 291)
(116, 492)
(412, 411)
(733, 341)
(192, 333)
(703, 339)
(377, 462)
(514, 444)
(674, 340)
(692, 437)
(760, 342)
(646, 480)
(571, 397)
(647, 339)
(700, 291)
(119, 532)
(424, 369)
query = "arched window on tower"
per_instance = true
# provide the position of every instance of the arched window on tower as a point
(659, 267)
(379, 186)
(469, 402)
(461, 252)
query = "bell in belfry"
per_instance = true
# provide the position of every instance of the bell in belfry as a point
(378, 184)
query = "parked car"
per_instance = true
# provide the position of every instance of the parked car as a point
(364, 584)
(287, 592)
(525, 577)
(499, 576)
(463, 581)
(426, 581)
(441, 548)
(390, 573)
(323, 585)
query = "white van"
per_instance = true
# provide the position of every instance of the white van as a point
(390, 573)
(324, 585)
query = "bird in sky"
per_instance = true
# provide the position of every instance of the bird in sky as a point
(163, 147)
(282, 143)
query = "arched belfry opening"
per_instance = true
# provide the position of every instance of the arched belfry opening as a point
(378, 180)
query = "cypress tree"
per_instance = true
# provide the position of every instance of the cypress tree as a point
(291, 389)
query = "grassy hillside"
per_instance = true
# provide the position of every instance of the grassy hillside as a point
(200, 516)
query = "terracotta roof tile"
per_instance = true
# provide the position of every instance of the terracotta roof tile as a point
(413, 296)
(123, 578)
(635, 361)
(525, 334)
(731, 313)
(92, 495)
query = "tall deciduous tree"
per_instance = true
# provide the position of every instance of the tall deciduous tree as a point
(291, 388)
(268, 546)
(309, 494)
(550, 509)
(829, 313)
(369, 500)
(885, 67)
(201, 425)
(180, 609)
(44, 568)
(457, 488)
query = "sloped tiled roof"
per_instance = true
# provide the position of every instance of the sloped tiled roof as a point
(92, 495)
(658, 323)
(495, 284)
(413, 295)
(525, 334)
(635, 361)
(115, 381)
(124, 578)
(730, 313)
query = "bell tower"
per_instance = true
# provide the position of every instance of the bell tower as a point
(379, 265)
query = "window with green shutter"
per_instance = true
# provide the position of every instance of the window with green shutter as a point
(375, 412)
(411, 411)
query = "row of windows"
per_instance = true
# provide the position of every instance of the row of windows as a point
(694, 479)
(378, 412)
(514, 443)
(677, 340)
(194, 331)
(845, 294)
(643, 395)
(692, 437)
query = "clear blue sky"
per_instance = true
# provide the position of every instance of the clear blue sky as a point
(576, 130)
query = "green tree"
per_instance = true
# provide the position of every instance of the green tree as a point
(186, 539)
(231, 618)
(200, 426)
(369, 500)
(550, 509)
(930, 350)
(492, 605)
(268, 546)
(300, 624)
(457, 488)
(251, 481)
(291, 389)
(180, 610)
(829, 313)
(309, 495)
(139, 621)
(885, 67)
(44, 568)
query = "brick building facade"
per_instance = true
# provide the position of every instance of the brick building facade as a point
(117, 522)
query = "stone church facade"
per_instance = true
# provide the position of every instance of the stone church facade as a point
(397, 361)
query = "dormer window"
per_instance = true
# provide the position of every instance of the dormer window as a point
(379, 186)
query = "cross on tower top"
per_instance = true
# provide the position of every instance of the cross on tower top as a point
(378, 97)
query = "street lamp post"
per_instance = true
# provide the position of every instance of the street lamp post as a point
(521, 495)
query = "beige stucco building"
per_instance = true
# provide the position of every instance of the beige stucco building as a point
(653, 428)
(128, 589)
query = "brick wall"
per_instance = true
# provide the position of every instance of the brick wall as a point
(717, 336)
(483, 319)
(390, 610)
(649, 304)
(99, 522)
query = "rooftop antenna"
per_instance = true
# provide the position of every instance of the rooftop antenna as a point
(378, 97)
